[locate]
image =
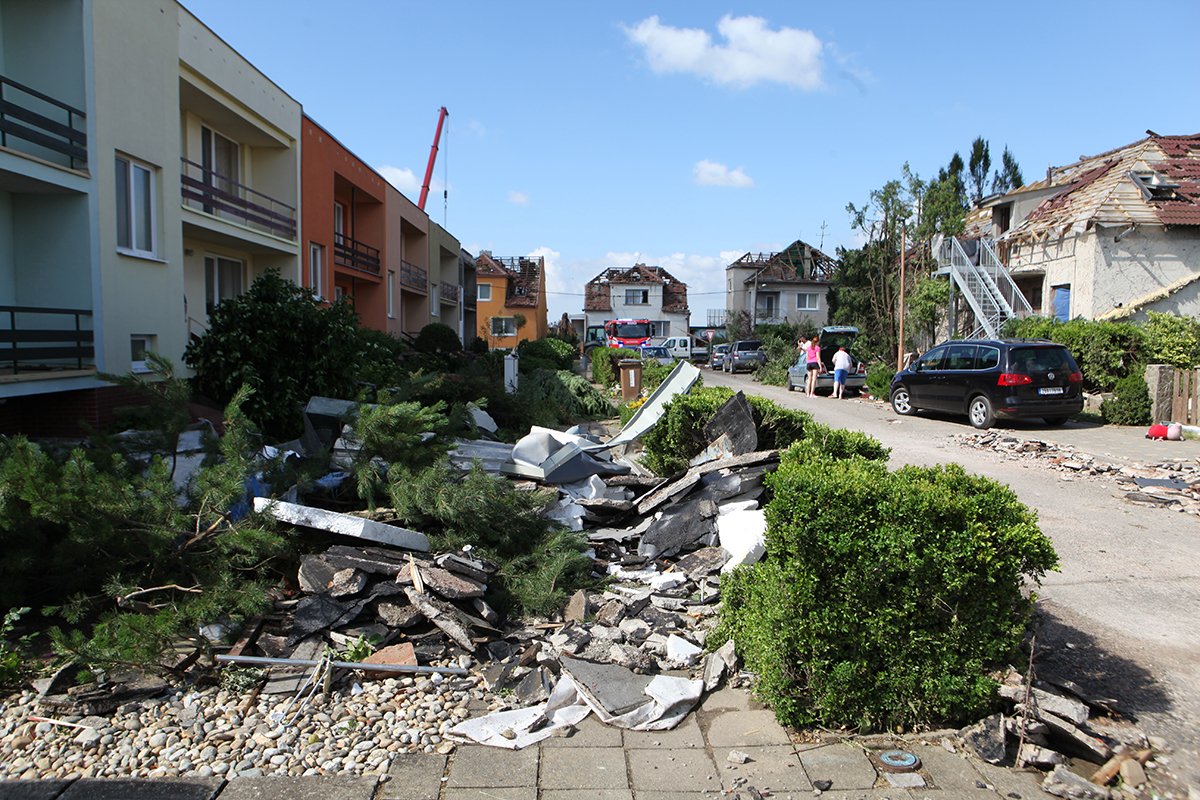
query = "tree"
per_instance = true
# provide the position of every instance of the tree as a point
(1008, 177)
(979, 166)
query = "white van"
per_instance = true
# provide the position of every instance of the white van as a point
(686, 348)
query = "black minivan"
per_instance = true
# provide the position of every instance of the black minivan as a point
(987, 378)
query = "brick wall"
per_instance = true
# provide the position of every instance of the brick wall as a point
(64, 413)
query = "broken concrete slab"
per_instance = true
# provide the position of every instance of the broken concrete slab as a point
(1073, 711)
(449, 585)
(704, 561)
(577, 607)
(341, 524)
(481, 419)
(346, 582)
(398, 615)
(1064, 783)
(637, 702)
(682, 652)
(719, 662)
(986, 738)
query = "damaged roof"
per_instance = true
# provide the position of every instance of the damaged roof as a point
(798, 262)
(1154, 181)
(598, 295)
(523, 274)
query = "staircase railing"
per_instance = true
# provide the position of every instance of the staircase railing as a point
(985, 283)
(990, 260)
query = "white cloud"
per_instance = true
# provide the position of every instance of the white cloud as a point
(408, 182)
(712, 173)
(518, 198)
(750, 53)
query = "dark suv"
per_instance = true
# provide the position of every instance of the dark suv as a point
(987, 378)
(744, 354)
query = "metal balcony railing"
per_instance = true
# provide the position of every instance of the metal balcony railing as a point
(208, 191)
(414, 277)
(985, 283)
(451, 293)
(39, 120)
(356, 255)
(34, 339)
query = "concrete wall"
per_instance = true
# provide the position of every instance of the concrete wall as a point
(137, 89)
(51, 251)
(1147, 260)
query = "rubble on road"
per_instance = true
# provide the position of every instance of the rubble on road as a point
(1168, 484)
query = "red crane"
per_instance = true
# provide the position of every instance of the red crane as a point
(437, 136)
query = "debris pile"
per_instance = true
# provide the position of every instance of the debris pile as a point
(1053, 723)
(1167, 484)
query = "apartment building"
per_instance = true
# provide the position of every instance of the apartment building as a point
(445, 278)
(407, 257)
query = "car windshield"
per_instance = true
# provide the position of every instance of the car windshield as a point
(721, 348)
(655, 352)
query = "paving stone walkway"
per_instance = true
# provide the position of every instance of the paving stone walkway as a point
(691, 762)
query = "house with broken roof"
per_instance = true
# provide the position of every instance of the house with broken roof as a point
(1110, 236)
(638, 292)
(789, 286)
(510, 299)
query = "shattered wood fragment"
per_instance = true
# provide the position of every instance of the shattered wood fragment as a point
(445, 616)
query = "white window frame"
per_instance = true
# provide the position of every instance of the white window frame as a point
(816, 301)
(483, 293)
(131, 166)
(645, 295)
(217, 258)
(316, 268)
(148, 346)
(505, 328)
(391, 289)
(339, 223)
(209, 155)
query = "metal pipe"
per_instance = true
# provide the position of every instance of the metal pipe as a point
(304, 662)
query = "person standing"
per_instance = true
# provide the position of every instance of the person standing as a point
(812, 359)
(841, 368)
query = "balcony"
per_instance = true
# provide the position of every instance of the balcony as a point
(470, 298)
(207, 191)
(45, 340)
(451, 293)
(355, 255)
(45, 127)
(414, 277)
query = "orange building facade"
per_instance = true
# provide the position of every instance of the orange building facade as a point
(343, 227)
(510, 299)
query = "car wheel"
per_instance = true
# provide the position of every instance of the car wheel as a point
(902, 403)
(1055, 420)
(980, 413)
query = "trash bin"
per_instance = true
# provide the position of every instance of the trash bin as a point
(631, 378)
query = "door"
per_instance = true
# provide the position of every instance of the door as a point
(222, 280)
(957, 373)
(926, 373)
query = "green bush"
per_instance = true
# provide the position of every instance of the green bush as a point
(556, 397)
(885, 598)
(779, 343)
(1172, 339)
(284, 345)
(381, 353)
(1130, 403)
(552, 353)
(437, 337)
(879, 380)
(1104, 351)
(604, 364)
(653, 374)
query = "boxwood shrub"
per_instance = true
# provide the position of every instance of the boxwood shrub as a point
(604, 364)
(885, 598)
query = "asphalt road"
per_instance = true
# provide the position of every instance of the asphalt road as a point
(1122, 617)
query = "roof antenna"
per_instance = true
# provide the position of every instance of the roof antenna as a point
(823, 227)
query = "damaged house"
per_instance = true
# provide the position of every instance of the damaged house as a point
(639, 292)
(1111, 236)
(789, 286)
(511, 299)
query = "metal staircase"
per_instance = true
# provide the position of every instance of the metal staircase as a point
(985, 283)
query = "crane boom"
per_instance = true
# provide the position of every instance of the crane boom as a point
(437, 137)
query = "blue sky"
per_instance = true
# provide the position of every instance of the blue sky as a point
(685, 134)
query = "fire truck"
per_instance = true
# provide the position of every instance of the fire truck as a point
(627, 332)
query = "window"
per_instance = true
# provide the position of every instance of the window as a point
(339, 222)
(1060, 302)
(960, 356)
(637, 297)
(135, 207)
(338, 293)
(222, 280)
(139, 346)
(504, 326)
(987, 358)
(316, 268)
(1155, 186)
(808, 301)
(221, 159)
(659, 327)
(932, 359)
(391, 288)
(484, 293)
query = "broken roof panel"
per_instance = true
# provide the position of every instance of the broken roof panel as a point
(598, 294)
(798, 262)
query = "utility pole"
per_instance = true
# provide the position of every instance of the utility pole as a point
(900, 345)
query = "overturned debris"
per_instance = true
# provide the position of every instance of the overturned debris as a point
(341, 524)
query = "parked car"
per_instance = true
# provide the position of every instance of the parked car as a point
(718, 356)
(686, 348)
(744, 354)
(656, 353)
(989, 378)
(831, 338)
